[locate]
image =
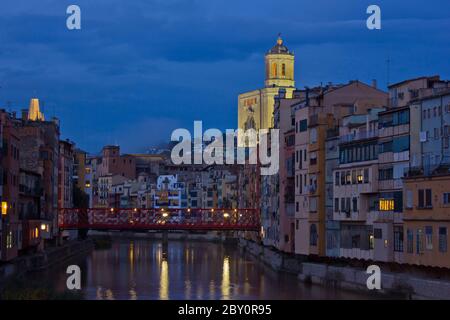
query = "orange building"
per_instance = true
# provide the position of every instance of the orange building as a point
(427, 219)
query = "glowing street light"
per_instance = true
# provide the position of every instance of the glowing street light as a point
(226, 215)
(165, 214)
(4, 208)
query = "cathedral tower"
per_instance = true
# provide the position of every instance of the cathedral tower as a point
(279, 66)
(255, 108)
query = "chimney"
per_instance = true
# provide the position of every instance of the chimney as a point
(374, 83)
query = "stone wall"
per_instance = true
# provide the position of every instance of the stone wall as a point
(393, 284)
(45, 259)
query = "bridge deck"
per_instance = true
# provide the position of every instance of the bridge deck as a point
(159, 219)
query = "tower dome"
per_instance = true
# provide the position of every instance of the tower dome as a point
(279, 47)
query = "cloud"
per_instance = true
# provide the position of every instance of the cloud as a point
(184, 60)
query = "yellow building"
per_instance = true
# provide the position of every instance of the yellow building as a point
(255, 108)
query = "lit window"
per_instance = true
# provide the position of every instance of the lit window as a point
(360, 178)
(274, 70)
(386, 204)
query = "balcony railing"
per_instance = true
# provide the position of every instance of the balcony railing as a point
(358, 136)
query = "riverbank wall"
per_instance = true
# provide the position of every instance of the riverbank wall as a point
(393, 284)
(222, 237)
(45, 259)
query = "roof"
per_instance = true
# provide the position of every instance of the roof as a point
(279, 48)
(433, 78)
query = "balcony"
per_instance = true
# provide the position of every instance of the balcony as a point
(363, 135)
(350, 216)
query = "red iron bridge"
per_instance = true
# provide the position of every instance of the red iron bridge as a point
(159, 219)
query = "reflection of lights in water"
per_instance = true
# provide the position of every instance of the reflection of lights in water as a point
(187, 289)
(131, 254)
(226, 278)
(109, 294)
(133, 294)
(164, 281)
(99, 294)
(212, 289)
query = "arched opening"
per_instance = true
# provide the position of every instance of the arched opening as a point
(283, 70)
(274, 70)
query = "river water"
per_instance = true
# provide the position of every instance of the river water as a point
(145, 269)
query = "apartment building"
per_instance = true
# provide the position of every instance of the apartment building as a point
(355, 187)
(427, 218)
(320, 111)
(10, 227)
(65, 174)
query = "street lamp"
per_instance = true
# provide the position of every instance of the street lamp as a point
(4, 208)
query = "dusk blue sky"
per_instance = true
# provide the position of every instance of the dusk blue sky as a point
(140, 68)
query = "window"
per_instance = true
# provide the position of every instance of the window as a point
(385, 147)
(296, 206)
(366, 175)
(386, 204)
(446, 198)
(378, 233)
(303, 125)
(354, 176)
(313, 205)
(313, 158)
(419, 241)
(348, 177)
(342, 178)
(313, 235)
(409, 241)
(313, 135)
(300, 164)
(398, 238)
(400, 144)
(300, 186)
(342, 204)
(283, 70)
(355, 204)
(425, 199)
(429, 238)
(336, 204)
(442, 239)
(409, 199)
(385, 174)
(336, 178)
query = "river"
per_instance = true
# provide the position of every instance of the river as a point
(144, 269)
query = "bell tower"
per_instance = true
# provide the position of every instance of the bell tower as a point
(279, 66)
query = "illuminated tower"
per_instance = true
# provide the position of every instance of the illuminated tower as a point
(255, 108)
(279, 66)
(34, 113)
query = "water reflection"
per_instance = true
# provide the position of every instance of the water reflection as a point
(164, 281)
(226, 278)
(145, 269)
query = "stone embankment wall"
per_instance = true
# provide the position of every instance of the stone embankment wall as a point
(44, 259)
(393, 284)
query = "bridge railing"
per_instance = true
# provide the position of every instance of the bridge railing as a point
(176, 219)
